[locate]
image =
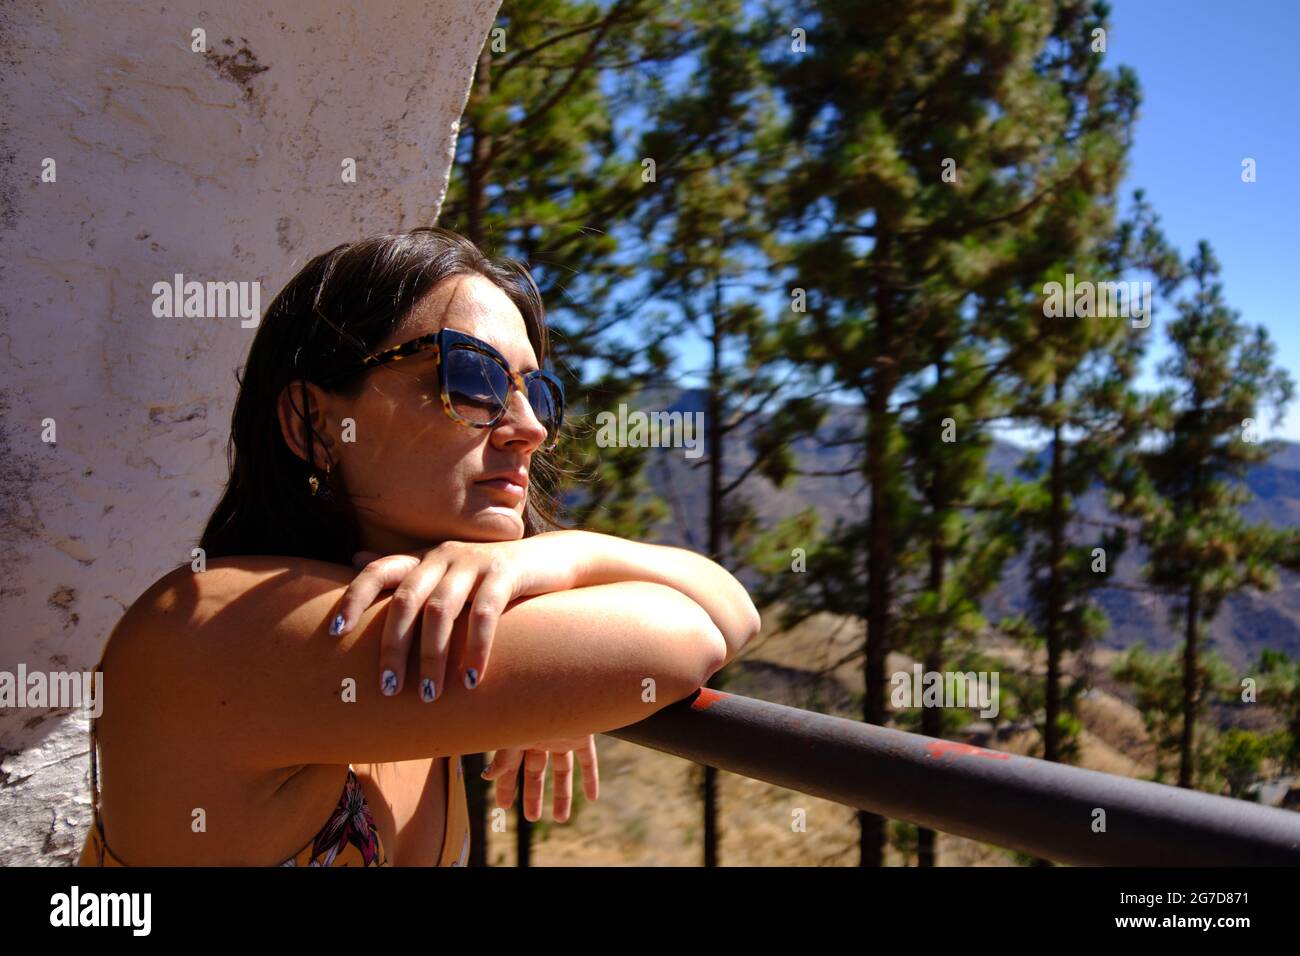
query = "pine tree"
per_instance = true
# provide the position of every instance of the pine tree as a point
(1077, 390)
(959, 540)
(703, 223)
(1280, 690)
(946, 152)
(1188, 497)
(1158, 681)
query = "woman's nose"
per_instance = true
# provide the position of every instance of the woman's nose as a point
(528, 417)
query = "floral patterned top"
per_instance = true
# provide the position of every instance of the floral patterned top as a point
(348, 838)
(350, 831)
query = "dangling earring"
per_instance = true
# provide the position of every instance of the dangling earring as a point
(315, 484)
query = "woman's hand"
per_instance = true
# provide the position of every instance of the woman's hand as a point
(504, 769)
(434, 587)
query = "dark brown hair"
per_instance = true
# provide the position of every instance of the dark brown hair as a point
(339, 307)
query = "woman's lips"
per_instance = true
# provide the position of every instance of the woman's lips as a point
(502, 484)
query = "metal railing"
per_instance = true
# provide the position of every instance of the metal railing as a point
(1046, 809)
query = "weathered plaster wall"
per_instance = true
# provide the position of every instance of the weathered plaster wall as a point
(223, 166)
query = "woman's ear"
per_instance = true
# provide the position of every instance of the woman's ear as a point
(289, 412)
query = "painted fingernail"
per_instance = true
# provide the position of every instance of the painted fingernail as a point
(486, 771)
(471, 678)
(426, 689)
(389, 683)
(336, 628)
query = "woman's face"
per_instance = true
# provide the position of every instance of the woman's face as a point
(414, 475)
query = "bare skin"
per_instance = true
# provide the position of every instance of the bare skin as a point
(224, 689)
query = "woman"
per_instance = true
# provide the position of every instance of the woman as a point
(264, 708)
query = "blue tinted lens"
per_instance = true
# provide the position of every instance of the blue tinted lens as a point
(476, 385)
(546, 402)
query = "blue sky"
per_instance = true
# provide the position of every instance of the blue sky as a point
(1220, 83)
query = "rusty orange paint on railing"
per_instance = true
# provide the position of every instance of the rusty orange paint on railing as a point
(941, 747)
(706, 698)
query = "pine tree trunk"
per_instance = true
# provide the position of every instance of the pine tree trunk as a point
(1053, 611)
(1056, 550)
(932, 718)
(1191, 689)
(871, 844)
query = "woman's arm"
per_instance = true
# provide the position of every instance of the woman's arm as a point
(434, 588)
(607, 559)
(241, 654)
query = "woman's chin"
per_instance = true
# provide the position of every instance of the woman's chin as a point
(498, 521)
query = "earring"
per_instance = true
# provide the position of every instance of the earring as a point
(315, 484)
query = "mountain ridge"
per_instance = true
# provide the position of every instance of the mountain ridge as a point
(1248, 622)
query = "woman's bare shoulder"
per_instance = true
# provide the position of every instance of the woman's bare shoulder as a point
(173, 656)
(198, 591)
(189, 597)
(167, 728)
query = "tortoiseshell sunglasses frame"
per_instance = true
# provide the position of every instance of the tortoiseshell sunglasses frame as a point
(445, 339)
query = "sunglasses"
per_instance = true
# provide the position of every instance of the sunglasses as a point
(475, 381)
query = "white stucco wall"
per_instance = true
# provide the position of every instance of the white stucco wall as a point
(222, 166)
